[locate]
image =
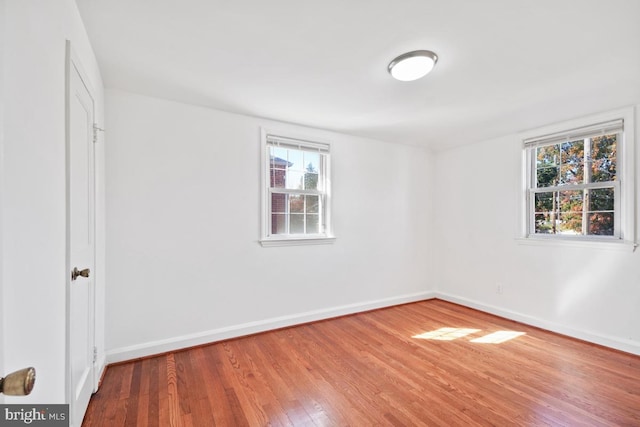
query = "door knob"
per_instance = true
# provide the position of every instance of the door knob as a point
(75, 273)
(19, 383)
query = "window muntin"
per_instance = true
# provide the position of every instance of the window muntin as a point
(296, 189)
(573, 183)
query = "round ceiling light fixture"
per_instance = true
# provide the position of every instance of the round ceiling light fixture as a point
(412, 65)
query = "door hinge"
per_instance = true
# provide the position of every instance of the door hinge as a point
(95, 132)
(95, 354)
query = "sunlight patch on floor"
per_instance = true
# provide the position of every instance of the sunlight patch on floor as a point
(450, 334)
(446, 334)
(498, 337)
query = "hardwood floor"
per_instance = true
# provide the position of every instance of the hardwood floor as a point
(371, 369)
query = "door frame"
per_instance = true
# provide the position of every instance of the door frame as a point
(72, 61)
(2, 121)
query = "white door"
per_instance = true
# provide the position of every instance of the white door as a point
(80, 240)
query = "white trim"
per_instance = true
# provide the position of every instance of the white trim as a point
(625, 113)
(576, 187)
(612, 126)
(287, 135)
(617, 343)
(629, 172)
(297, 241)
(208, 337)
(298, 144)
(2, 190)
(295, 192)
(101, 366)
(594, 243)
(235, 331)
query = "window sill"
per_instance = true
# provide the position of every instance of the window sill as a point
(624, 246)
(303, 241)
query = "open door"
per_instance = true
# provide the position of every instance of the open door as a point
(80, 239)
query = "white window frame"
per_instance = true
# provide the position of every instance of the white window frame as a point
(624, 237)
(289, 140)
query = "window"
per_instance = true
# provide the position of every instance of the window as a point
(296, 196)
(578, 185)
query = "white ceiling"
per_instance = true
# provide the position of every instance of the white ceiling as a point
(504, 65)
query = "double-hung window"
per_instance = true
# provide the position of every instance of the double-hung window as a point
(296, 191)
(575, 182)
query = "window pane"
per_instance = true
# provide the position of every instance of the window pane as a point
(296, 226)
(277, 167)
(604, 158)
(294, 179)
(278, 224)
(295, 160)
(569, 223)
(310, 180)
(313, 204)
(278, 178)
(296, 211)
(572, 173)
(311, 170)
(601, 199)
(544, 223)
(546, 212)
(296, 204)
(571, 203)
(278, 203)
(311, 162)
(601, 224)
(544, 201)
(572, 159)
(548, 156)
(547, 162)
(563, 212)
(547, 177)
(559, 212)
(313, 224)
(278, 157)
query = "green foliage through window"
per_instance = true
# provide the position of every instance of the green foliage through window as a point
(590, 164)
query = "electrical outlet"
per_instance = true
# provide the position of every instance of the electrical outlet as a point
(499, 288)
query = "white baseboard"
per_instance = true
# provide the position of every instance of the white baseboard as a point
(206, 337)
(617, 343)
(235, 331)
(101, 365)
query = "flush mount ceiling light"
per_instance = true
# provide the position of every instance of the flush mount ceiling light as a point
(412, 65)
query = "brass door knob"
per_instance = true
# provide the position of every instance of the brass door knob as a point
(75, 273)
(19, 383)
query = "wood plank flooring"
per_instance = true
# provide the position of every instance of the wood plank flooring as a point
(371, 369)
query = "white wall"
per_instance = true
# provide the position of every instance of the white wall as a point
(33, 167)
(592, 294)
(183, 216)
